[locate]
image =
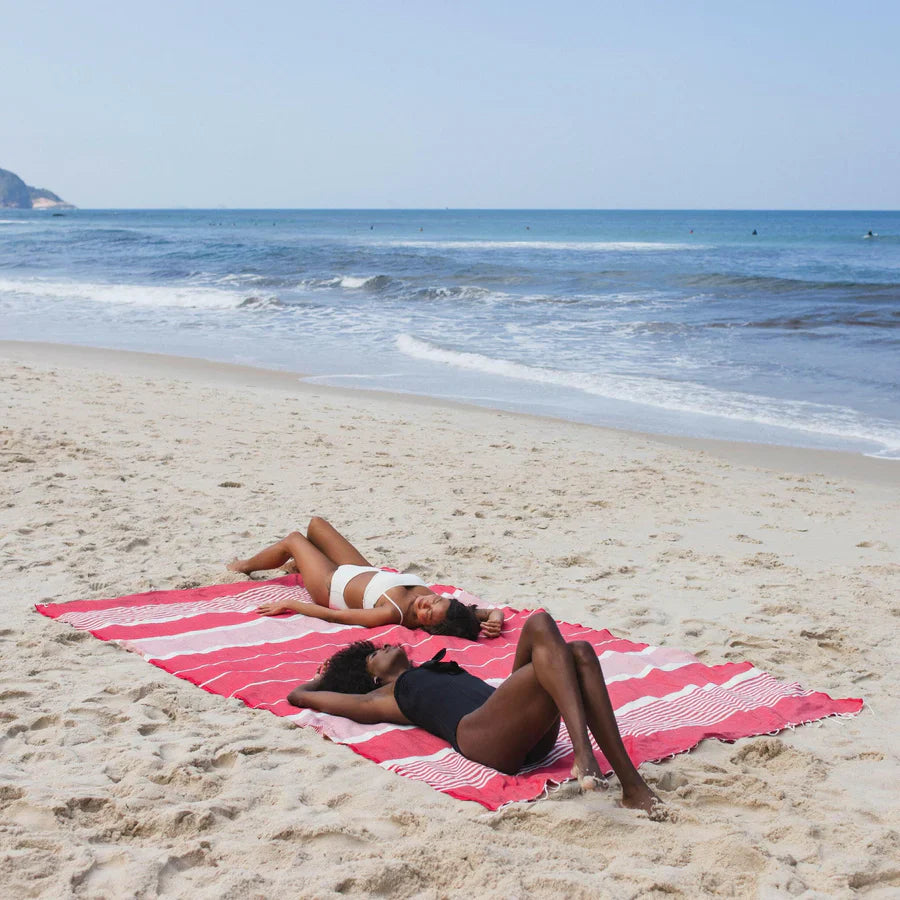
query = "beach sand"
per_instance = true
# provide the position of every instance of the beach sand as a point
(118, 780)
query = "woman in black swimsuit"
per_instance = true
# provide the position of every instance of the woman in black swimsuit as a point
(506, 728)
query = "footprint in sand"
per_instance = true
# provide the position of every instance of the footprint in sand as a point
(602, 606)
(106, 876)
(861, 880)
(80, 808)
(13, 695)
(170, 878)
(575, 559)
(672, 781)
(763, 561)
(9, 794)
(71, 637)
(829, 639)
(148, 728)
(774, 755)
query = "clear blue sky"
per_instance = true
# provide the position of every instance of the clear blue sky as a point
(284, 103)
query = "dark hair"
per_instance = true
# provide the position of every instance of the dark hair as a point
(346, 672)
(460, 621)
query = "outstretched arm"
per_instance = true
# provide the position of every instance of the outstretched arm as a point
(277, 607)
(491, 621)
(371, 618)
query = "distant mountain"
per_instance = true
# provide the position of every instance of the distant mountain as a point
(15, 194)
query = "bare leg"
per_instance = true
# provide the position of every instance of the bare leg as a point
(552, 677)
(544, 647)
(333, 544)
(603, 725)
(542, 686)
(273, 557)
(516, 717)
(315, 567)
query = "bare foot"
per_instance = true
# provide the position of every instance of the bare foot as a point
(238, 565)
(642, 797)
(588, 778)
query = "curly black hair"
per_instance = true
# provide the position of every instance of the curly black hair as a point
(346, 672)
(460, 621)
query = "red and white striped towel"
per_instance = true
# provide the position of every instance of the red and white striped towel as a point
(666, 701)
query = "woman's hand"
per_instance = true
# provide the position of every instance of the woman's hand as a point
(493, 624)
(276, 608)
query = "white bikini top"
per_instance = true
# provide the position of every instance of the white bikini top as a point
(382, 582)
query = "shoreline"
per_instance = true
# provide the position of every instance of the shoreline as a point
(800, 460)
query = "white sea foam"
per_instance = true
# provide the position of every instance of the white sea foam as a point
(353, 376)
(353, 281)
(462, 292)
(126, 294)
(349, 282)
(676, 396)
(233, 278)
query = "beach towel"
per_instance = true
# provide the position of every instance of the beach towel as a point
(666, 700)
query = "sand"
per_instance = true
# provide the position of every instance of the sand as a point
(118, 780)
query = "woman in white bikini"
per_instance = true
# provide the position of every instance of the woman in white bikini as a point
(347, 589)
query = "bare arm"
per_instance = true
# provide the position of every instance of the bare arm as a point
(491, 621)
(377, 706)
(277, 607)
(371, 618)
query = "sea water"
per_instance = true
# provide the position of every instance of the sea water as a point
(779, 327)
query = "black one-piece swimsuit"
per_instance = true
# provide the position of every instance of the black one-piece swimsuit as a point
(436, 695)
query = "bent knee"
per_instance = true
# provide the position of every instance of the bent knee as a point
(317, 523)
(293, 536)
(540, 621)
(582, 650)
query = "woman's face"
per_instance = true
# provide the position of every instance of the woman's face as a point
(430, 609)
(387, 660)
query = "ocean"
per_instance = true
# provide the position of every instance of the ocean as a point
(775, 327)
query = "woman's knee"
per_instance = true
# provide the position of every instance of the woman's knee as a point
(316, 526)
(583, 651)
(540, 623)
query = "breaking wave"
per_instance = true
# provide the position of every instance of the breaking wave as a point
(184, 296)
(797, 415)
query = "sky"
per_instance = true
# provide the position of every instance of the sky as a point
(426, 104)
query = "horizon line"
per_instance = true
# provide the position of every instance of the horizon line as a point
(533, 209)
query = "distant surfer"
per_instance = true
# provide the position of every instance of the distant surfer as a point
(753, 232)
(869, 234)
